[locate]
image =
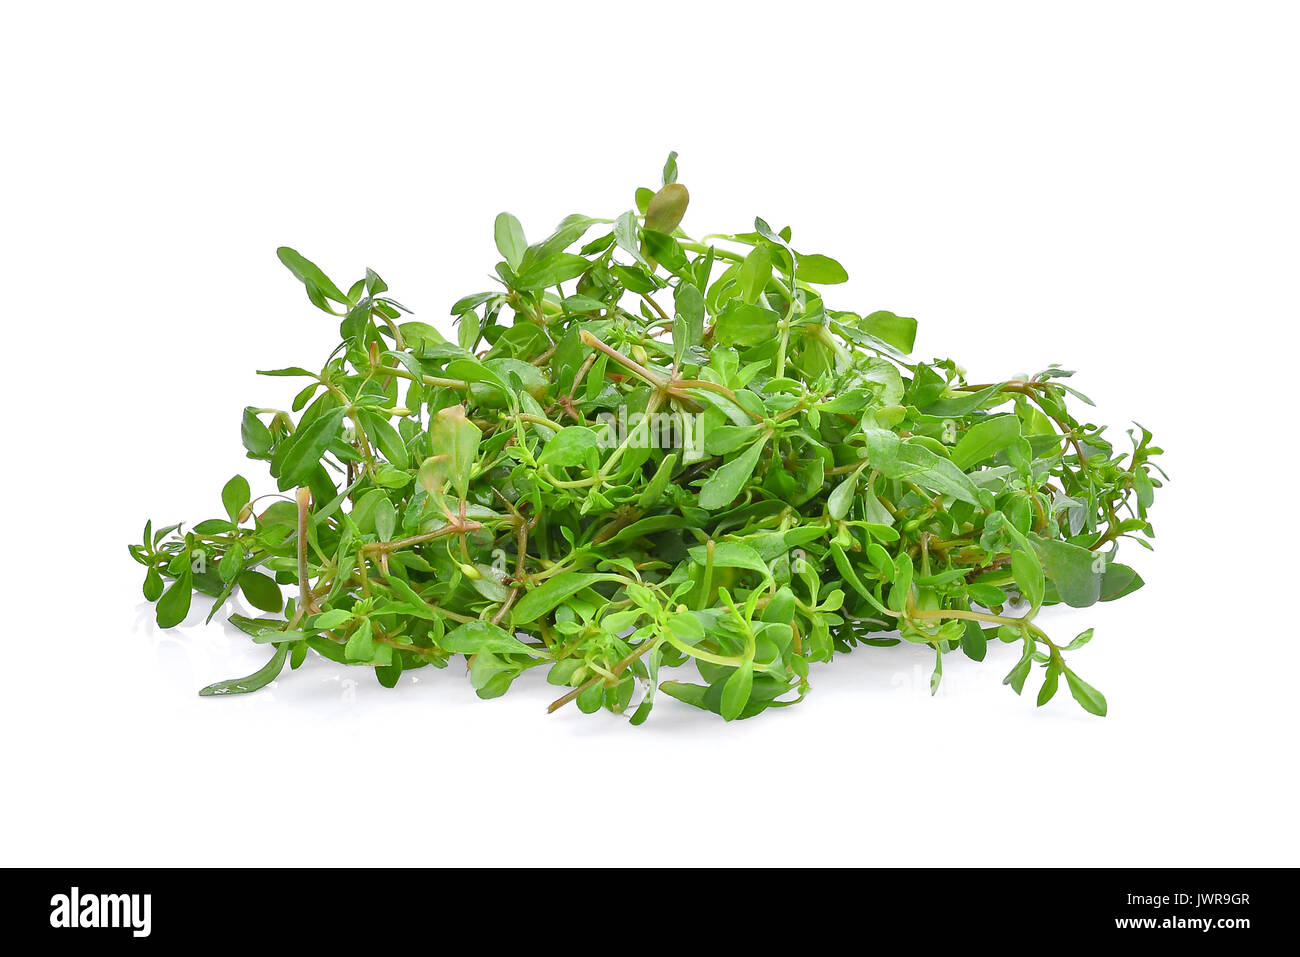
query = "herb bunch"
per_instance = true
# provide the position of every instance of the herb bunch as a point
(650, 452)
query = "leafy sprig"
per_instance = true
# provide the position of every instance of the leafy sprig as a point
(649, 452)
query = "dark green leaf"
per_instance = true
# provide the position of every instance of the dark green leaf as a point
(257, 680)
(174, 604)
(261, 591)
(722, 487)
(308, 446)
(552, 592)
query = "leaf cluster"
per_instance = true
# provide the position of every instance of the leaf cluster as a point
(646, 452)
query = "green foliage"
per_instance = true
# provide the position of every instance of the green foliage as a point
(647, 452)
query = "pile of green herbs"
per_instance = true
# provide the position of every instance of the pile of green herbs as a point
(652, 452)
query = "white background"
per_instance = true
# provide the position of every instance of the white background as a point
(1112, 187)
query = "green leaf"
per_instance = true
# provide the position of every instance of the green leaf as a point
(1016, 677)
(688, 326)
(551, 272)
(1076, 571)
(654, 490)
(814, 267)
(256, 437)
(755, 273)
(361, 643)
(477, 637)
(385, 517)
(736, 691)
(571, 446)
(389, 477)
(686, 627)
(468, 330)
(417, 606)
(670, 168)
(1081, 639)
(1092, 700)
(421, 336)
(730, 555)
(275, 636)
(985, 439)
(174, 604)
(662, 248)
(153, 585)
(897, 331)
(454, 436)
(214, 526)
(882, 452)
(850, 575)
(722, 487)
(510, 239)
(329, 620)
(1028, 573)
(381, 432)
(319, 286)
(727, 438)
(235, 496)
(261, 591)
(470, 302)
(309, 445)
(973, 641)
(1050, 681)
(471, 370)
(745, 324)
(257, 680)
(840, 499)
(552, 592)
(625, 235)
(916, 463)
(569, 231)
(1119, 580)
(902, 587)
(693, 695)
